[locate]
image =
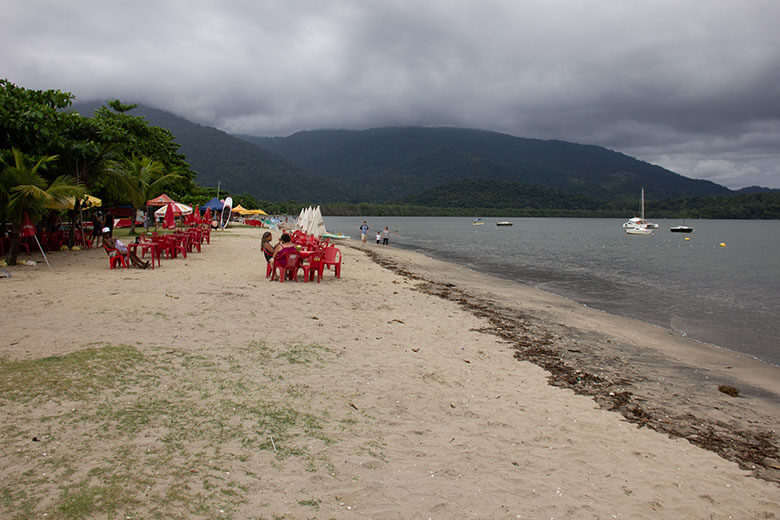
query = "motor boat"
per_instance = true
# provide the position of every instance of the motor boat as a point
(681, 229)
(639, 230)
(503, 223)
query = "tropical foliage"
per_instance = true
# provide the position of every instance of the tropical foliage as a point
(24, 192)
(137, 180)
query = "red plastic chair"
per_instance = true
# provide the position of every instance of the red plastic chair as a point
(287, 264)
(331, 256)
(312, 266)
(116, 257)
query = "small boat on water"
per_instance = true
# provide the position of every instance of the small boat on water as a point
(503, 223)
(478, 222)
(681, 229)
(639, 230)
(640, 222)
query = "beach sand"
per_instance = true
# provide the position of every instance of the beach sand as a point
(409, 388)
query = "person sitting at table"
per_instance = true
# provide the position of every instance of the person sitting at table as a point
(114, 243)
(266, 247)
(284, 246)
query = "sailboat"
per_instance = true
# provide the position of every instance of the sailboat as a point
(683, 228)
(638, 225)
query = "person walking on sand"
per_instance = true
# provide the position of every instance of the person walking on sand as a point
(363, 232)
(378, 237)
(385, 236)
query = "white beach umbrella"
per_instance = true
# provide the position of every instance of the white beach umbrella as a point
(318, 225)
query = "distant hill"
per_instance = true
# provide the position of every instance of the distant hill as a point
(239, 166)
(756, 189)
(389, 164)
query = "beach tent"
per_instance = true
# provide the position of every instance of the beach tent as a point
(256, 212)
(162, 200)
(241, 210)
(214, 205)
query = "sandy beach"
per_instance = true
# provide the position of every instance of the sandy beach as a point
(409, 388)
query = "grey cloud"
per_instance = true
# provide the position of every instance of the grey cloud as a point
(687, 85)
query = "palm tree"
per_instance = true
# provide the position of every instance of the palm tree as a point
(24, 190)
(137, 180)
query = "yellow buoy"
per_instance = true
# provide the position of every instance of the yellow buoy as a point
(722, 244)
(687, 238)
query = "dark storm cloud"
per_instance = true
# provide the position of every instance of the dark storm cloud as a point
(689, 85)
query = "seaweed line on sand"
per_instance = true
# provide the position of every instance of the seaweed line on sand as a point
(755, 451)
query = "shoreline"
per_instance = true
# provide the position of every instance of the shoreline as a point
(670, 389)
(574, 299)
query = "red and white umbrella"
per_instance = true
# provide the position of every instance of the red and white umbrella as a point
(178, 209)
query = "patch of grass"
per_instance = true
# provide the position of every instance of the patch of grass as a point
(73, 376)
(126, 432)
(303, 354)
(86, 500)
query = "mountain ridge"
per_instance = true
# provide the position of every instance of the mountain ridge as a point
(392, 164)
(422, 158)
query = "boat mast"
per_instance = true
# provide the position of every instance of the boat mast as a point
(643, 203)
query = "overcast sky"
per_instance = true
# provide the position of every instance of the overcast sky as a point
(691, 85)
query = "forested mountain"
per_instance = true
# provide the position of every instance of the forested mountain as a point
(239, 166)
(444, 168)
(387, 164)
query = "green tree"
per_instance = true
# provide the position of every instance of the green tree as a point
(133, 137)
(23, 189)
(137, 180)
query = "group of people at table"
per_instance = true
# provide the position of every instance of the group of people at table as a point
(299, 251)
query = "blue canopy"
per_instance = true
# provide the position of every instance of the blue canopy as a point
(214, 205)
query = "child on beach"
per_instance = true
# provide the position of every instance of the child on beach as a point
(378, 237)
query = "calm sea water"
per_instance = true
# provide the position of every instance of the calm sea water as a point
(729, 296)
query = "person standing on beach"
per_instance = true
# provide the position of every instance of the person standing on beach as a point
(385, 236)
(97, 225)
(378, 237)
(109, 222)
(364, 232)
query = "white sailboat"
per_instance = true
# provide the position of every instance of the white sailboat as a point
(638, 225)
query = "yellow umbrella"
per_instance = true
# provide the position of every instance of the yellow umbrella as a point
(87, 201)
(257, 212)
